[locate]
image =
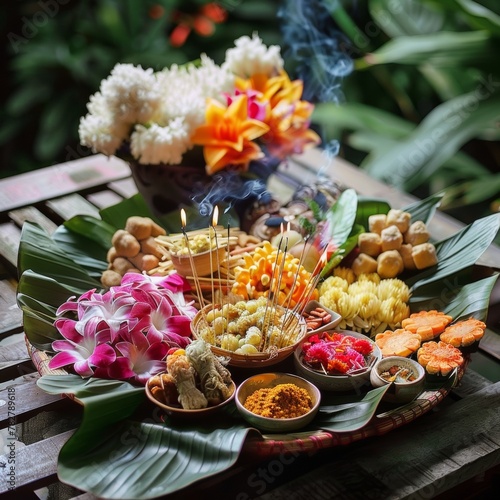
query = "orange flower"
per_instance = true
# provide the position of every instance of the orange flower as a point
(227, 135)
(288, 118)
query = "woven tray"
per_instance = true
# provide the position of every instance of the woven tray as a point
(274, 444)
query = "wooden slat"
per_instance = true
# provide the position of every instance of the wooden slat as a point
(104, 199)
(27, 399)
(31, 214)
(10, 236)
(11, 315)
(72, 205)
(13, 353)
(125, 187)
(35, 465)
(70, 177)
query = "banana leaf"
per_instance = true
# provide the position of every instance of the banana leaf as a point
(425, 209)
(437, 139)
(39, 253)
(349, 417)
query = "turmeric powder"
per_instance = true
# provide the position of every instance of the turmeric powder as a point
(281, 401)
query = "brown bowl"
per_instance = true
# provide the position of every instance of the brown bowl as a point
(205, 263)
(178, 411)
(254, 360)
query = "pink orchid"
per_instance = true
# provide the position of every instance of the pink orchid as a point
(126, 332)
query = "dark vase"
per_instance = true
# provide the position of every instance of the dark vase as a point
(169, 187)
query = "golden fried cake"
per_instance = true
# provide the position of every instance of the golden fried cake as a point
(399, 342)
(463, 333)
(427, 324)
(439, 358)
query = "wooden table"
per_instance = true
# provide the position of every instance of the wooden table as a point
(454, 450)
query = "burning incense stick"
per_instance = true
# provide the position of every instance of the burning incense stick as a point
(193, 268)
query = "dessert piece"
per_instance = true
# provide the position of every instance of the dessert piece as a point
(370, 244)
(417, 233)
(407, 256)
(364, 264)
(389, 264)
(427, 324)
(463, 333)
(439, 358)
(399, 342)
(391, 238)
(377, 222)
(399, 218)
(424, 255)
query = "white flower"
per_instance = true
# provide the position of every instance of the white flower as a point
(102, 133)
(250, 56)
(156, 144)
(131, 93)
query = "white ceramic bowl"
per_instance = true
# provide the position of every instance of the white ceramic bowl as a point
(336, 383)
(269, 380)
(400, 391)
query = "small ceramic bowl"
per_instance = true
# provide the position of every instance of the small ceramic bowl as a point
(401, 390)
(335, 318)
(269, 380)
(337, 383)
(179, 412)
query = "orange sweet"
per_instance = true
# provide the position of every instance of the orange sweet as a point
(428, 324)
(399, 342)
(463, 333)
(439, 358)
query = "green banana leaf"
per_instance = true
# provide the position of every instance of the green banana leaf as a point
(445, 48)
(349, 417)
(437, 139)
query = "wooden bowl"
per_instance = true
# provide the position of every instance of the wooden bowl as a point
(255, 360)
(205, 263)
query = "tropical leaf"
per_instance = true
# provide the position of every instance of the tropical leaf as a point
(39, 330)
(109, 456)
(478, 15)
(96, 230)
(349, 417)
(39, 253)
(424, 210)
(459, 300)
(445, 48)
(341, 216)
(436, 140)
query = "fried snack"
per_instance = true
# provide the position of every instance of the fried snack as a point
(389, 264)
(364, 264)
(463, 333)
(399, 342)
(377, 222)
(391, 238)
(143, 227)
(370, 244)
(427, 324)
(417, 233)
(439, 358)
(163, 389)
(215, 380)
(424, 255)
(407, 256)
(399, 218)
(125, 244)
(190, 397)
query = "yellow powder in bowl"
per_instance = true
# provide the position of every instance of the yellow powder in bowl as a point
(281, 401)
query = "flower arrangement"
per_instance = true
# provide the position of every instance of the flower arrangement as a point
(236, 112)
(126, 332)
